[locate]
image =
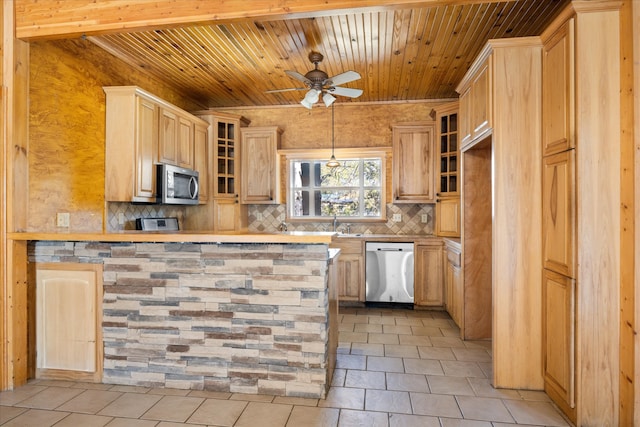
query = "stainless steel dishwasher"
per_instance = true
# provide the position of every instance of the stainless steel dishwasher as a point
(389, 272)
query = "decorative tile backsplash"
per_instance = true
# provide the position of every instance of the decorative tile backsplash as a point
(122, 216)
(267, 218)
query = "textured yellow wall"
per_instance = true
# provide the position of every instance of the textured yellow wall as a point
(66, 129)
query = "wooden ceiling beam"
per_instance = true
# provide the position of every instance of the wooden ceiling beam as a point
(49, 19)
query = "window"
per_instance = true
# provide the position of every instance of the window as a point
(352, 190)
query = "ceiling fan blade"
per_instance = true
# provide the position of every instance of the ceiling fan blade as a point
(346, 77)
(296, 75)
(345, 91)
(285, 90)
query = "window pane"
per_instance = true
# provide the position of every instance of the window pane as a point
(301, 203)
(351, 190)
(372, 173)
(345, 175)
(340, 203)
(372, 203)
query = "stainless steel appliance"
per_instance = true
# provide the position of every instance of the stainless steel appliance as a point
(389, 272)
(176, 185)
(157, 224)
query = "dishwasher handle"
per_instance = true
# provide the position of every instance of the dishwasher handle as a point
(390, 249)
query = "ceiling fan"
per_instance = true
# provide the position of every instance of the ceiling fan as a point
(318, 82)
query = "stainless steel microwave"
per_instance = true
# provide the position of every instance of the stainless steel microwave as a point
(176, 185)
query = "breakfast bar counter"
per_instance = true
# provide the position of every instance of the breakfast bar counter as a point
(241, 312)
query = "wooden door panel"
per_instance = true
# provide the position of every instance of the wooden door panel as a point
(68, 318)
(351, 278)
(558, 213)
(559, 335)
(558, 91)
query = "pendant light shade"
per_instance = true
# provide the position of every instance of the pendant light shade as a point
(333, 162)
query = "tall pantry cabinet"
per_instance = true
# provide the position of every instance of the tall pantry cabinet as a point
(447, 179)
(581, 235)
(558, 217)
(223, 211)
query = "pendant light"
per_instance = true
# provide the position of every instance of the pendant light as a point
(332, 163)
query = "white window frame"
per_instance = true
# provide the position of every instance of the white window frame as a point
(290, 156)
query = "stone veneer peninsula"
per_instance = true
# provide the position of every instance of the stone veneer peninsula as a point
(236, 317)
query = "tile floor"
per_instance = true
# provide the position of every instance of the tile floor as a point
(395, 368)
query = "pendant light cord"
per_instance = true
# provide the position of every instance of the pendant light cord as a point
(333, 140)
(333, 163)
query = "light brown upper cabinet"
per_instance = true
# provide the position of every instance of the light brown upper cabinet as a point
(141, 131)
(168, 142)
(185, 143)
(413, 163)
(448, 164)
(201, 161)
(475, 105)
(260, 169)
(558, 90)
(132, 121)
(176, 138)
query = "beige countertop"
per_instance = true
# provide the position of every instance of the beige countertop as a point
(181, 236)
(302, 237)
(388, 237)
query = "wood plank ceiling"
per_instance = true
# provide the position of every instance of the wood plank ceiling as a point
(402, 54)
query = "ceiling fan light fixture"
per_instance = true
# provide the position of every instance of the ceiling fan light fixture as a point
(328, 99)
(311, 98)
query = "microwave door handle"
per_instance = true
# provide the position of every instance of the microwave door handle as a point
(193, 184)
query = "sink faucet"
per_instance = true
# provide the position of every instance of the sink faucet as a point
(283, 226)
(335, 222)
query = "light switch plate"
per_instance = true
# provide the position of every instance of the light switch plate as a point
(397, 217)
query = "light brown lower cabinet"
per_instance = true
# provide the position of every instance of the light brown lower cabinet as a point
(428, 276)
(68, 321)
(351, 285)
(558, 338)
(454, 285)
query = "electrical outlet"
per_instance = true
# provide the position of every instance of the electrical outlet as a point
(120, 218)
(62, 219)
(424, 218)
(259, 216)
(397, 217)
